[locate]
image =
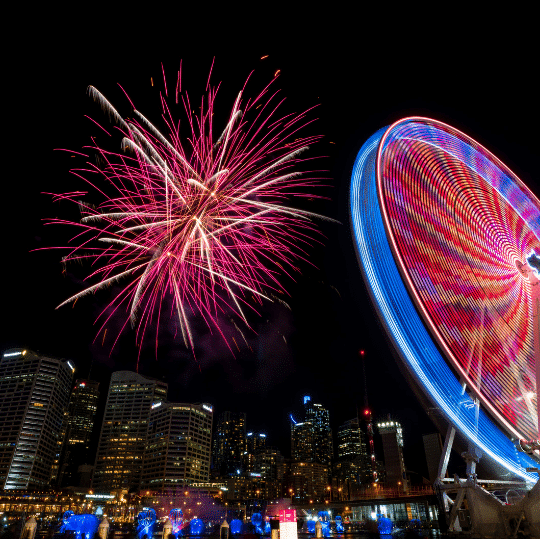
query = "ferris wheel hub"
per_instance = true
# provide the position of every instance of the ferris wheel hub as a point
(522, 268)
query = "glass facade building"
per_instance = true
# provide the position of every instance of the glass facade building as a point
(79, 424)
(323, 447)
(34, 394)
(351, 443)
(255, 444)
(302, 441)
(354, 463)
(122, 442)
(229, 445)
(311, 440)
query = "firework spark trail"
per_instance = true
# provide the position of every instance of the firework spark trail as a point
(203, 223)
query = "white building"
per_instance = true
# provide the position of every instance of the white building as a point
(34, 393)
(178, 448)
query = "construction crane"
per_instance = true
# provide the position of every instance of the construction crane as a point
(369, 421)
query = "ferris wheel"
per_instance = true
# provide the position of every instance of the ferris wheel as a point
(448, 239)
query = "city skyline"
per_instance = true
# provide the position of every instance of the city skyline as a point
(142, 440)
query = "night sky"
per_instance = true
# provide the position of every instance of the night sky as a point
(477, 75)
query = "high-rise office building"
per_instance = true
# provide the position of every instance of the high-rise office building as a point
(354, 463)
(79, 424)
(122, 441)
(308, 482)
(229, 444)
(302, 441)
(269, 464)
(311, 440)
(255, 443)
(178, 445)
(392, 438)
(319, 417)
(351, 442)
(34, 393)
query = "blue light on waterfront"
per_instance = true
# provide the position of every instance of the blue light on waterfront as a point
(196, 526)
(384, 525)
(257, 520)
(84, 526)
(236, 526)
(146, 522)
(176, 516)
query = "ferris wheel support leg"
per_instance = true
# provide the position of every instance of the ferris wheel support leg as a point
(445, 502)
(445, 455)
(473, 454)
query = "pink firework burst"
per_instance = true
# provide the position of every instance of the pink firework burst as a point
(204, 220)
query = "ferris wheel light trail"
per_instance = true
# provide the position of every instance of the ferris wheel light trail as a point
(440, 225)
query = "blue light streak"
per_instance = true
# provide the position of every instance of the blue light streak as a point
(405, 326)
(257, 521)
(176, 517)
(146, 523)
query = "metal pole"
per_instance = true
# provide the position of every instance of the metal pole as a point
(369, 422)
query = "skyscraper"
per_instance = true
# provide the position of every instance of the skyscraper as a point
(124, 430)
(311, 439)
(178, 445)
(78, 429)
(255, 443)
(354, 463)
(323, 447)
(34, 393)
(269, 463)
(392, 439)
(351, 443)
(229, 444)
(302, 441)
